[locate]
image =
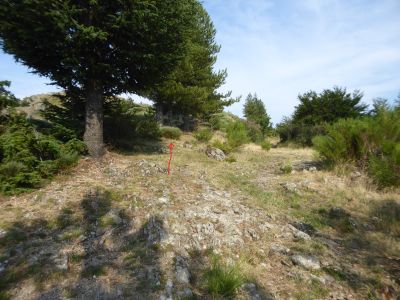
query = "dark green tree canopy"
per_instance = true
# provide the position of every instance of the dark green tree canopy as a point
(192, 88)
(124, 45)
(7, 99)
(328, 106)
(98, 47)
(379, 105)
(254, 110)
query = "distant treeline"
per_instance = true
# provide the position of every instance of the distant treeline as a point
(342, 129)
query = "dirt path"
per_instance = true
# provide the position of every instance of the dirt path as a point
(121, 228)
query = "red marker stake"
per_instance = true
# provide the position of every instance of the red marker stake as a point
(171, 146)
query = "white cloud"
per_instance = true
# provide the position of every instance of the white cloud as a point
(282, 48)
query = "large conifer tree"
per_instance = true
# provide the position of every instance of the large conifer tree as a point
(192, 89)
(100, 47)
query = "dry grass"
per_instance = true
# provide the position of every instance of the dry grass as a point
(368, 251)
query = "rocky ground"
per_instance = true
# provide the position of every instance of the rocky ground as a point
(121, 228)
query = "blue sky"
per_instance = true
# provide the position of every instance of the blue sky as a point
(281, 48)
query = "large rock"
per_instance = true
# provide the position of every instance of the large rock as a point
(182, 270)
(300, 235)
(306, 261)
(307, 228)
(215, 153)
(289, 186)
(154, 231)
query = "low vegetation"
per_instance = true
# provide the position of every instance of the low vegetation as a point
(315, 111)
(223, 280)
(266, 145)
(372, 143)
(120, 225)
(32, 152)
(203, 135)
(236, 134)
(171, 132)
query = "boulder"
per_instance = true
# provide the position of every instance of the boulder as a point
(308, 262)
(215, 153)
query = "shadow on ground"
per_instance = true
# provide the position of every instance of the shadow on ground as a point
(94, 250)
(367, 247)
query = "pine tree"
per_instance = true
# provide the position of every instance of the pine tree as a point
(7, 99)
(328, 106)
(254, 111)
(99, 47)
(192, 89)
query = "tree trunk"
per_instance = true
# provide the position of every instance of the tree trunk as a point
(93, 136)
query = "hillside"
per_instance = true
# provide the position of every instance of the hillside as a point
(120, 228)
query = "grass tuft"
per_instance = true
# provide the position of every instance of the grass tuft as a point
(223, 280)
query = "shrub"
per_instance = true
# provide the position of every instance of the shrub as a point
(221, 121)
(27, 156)
(171, 132)
(47, 168)
(373, 143)
(223, 146)
(287, 169)
(266, 145)
(298, 133)
(47, 148)
(203, 135)
(12, 168)
(75, 145)
(236, 134)
(125, 123)
(230, 159)
(32, 150)
(254, 132)
(67, 159)
(223, 280)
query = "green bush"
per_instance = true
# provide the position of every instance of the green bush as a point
(254, 132)
(286, 168)
(75, 145)
(225, 147)
(236, 134)
(12, 168)
(223, 280)
(32, 150)
(265, 145)
(67, 159)
(372, 143)
(171, 132)
(221, 121)
(203, 135)
(230, 159)
(298, 133)
(27, 156)
(126, 123)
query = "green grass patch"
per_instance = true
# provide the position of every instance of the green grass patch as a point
(203, 135)
(335, 273)
(70, 234)
(266, 145)
(223, 280)
(171, 132)
(286, 168)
